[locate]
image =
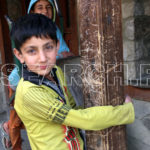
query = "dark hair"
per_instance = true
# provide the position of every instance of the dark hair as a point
(30, 25)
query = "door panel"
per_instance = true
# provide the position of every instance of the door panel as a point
(69, 12)
(2, 54)
(5, 33)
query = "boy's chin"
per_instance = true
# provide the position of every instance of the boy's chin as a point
(43, 73)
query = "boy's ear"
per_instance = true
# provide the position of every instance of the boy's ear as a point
(19, 55)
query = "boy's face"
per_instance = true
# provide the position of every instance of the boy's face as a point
(44, 7)
(39, 54)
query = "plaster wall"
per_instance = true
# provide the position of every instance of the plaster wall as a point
(136, 39)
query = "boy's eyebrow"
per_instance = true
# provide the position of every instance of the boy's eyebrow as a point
(47, 43)
(30, 47)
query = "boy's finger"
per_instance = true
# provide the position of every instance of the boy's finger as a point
(128, 99)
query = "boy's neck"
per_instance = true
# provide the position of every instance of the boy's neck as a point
(49, 77)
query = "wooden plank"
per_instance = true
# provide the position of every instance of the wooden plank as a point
(2, 68)
(138, 93)
(2, 51)
(5, 32)
(69, 12)
(23, 5)
(2, 45)
(101, 58)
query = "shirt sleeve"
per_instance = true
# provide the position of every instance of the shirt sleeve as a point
(100, 117)
(40, 103)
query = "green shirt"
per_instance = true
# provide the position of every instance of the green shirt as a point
(53, 125)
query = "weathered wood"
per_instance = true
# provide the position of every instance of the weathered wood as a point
(1, 47)
(101, 58)
(69, 13)
(5, 32)
(3, 70)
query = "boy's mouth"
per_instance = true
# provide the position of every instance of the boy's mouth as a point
(43, 67)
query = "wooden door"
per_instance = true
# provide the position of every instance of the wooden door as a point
(4, 35)
(2, 54)
(70, 32)
(13, 10)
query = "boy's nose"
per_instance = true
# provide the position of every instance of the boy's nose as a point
(42, 56)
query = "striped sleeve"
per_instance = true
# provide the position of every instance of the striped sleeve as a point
(43, 104)
(100, 117)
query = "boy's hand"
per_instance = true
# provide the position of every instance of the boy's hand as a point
(128, 99)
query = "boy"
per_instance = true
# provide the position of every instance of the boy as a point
(43, 101)
(13, 126)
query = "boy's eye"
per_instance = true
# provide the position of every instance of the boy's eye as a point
(49, 47)
(31, 51)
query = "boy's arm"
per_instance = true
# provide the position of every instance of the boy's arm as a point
(100, 117)
(45, 106)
